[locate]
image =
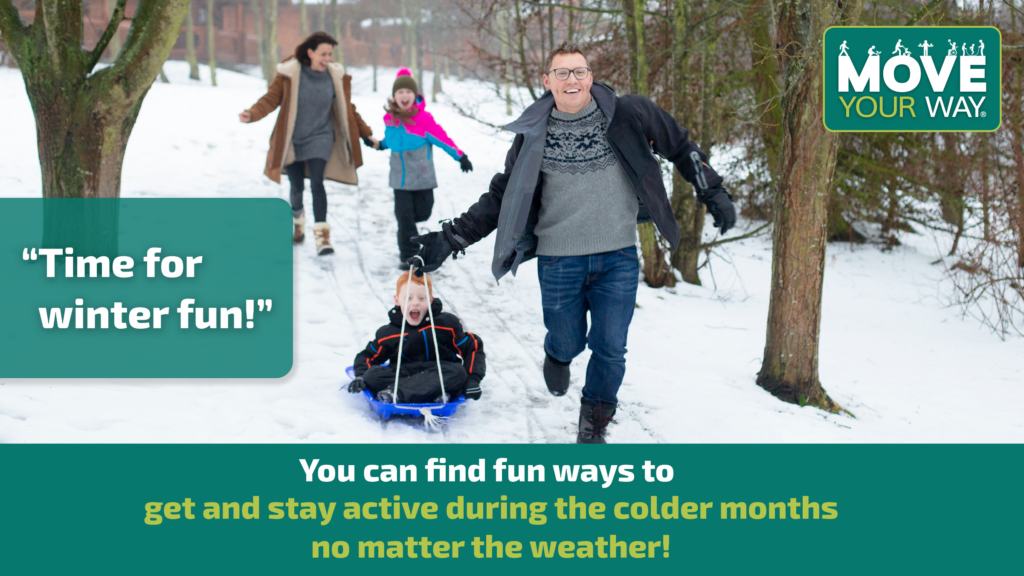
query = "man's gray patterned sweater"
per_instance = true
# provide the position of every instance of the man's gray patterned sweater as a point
(588, 205)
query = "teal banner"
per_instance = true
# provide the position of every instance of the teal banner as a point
(912, 79)
(145, 288)
(440, 509)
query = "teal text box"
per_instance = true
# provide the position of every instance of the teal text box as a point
(246, 251)
(933, 509)
(918, 109)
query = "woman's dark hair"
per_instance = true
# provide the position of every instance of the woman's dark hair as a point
(312, 43)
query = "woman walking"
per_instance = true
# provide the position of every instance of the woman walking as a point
(317, 132)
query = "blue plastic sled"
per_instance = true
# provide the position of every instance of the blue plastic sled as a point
(385, 410)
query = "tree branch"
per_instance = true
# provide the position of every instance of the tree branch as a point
(1013, 8)
(922, 11)
(155, 27)
(597, 10)
(11, 27)
(116, 17)
(743, 237)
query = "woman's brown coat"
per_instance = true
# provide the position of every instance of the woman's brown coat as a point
(346, 155)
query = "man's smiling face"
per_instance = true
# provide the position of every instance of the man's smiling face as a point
(572, 94)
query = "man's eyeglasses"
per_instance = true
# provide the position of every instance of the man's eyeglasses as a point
(563, 73)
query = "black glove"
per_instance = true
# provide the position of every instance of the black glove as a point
(464, 162)
(719, 203)
(357, 385)
(435, 248)
(368, 142)
(473, 390)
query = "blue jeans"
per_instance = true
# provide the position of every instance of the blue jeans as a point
(605, 284)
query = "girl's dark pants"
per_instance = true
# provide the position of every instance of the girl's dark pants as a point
(411, 206)
(418, 383)
(296, 175)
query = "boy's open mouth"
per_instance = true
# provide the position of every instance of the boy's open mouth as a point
(414, 315)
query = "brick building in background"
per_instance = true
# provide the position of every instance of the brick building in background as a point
(234, 24)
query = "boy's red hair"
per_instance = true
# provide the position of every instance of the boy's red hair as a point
(421, 280)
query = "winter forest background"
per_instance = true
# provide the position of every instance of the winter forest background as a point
(903, 252)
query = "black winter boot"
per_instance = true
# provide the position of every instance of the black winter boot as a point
(556, 375)
(594, 418)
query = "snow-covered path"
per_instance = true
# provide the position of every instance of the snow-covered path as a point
(907, 367)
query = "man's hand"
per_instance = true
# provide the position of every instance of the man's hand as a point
(436, 247)
(465, 164)
(719, 203)
(434, 250)
(245, 117)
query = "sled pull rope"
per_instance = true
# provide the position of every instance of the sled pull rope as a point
(429, 418)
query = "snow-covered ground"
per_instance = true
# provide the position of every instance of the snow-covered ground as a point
(908, 367)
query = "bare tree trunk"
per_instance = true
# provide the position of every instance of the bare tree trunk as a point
(418, 29)
(506, 32)
(551, 28)
(211, 41)
(376, 50)
(1018, 157)
(303, 19)
(115, 40)
(544, 48)
(270, 42)
(986, 202)
(261, 49)
(568, 34)
(435, 86)
(641, 49)
(766, 72)
(631, 52)
(892, 208)
(339, 52)
(950, 185)
(807, 166)
(407, 56)
(190, 45)
(657, 272)
(688, 211)
(523, 66)
(84, 119)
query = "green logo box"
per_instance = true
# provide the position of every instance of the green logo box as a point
(113, 306)
(912, 79)
(898, 509)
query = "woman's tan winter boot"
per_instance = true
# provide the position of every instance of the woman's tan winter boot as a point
(300, 228)
(322, 234)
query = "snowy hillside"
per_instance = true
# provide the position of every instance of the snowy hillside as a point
(891, 352)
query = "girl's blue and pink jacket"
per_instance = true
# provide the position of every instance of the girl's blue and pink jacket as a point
(411, 144)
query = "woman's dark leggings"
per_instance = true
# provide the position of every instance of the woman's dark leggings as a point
(296, 174)
(411, 206)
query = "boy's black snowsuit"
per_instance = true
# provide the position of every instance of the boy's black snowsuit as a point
(462, 359)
